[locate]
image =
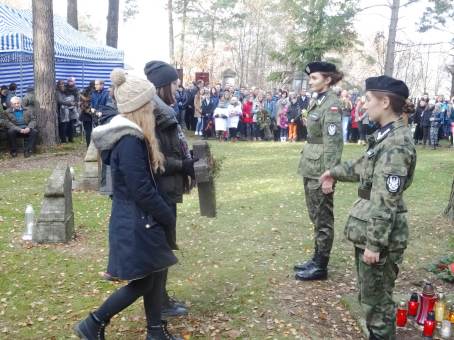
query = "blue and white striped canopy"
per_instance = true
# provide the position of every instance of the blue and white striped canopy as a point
(75, 54)
(16, 35)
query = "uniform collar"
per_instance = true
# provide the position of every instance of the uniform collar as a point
(320, 99)
(382, 133)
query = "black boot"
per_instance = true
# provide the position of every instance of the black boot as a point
(299, 267)
(160, 332)
(91, 328)
(316, 271)
(172, 307)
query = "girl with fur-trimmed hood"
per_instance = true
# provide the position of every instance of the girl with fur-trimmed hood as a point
(139, 247)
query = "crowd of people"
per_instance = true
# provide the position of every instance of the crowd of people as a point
(222, 112)
(229, 113)
(74, 108)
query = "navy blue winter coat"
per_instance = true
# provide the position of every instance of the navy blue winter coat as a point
(138, 242)
(99, 98)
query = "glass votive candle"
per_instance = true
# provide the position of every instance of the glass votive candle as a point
(445, 330)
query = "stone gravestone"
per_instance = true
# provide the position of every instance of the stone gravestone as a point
(56, 221)
(90, 177)
(204, 177)
(228, 77)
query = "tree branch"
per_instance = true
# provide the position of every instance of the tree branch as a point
(409, 3)
(427, 44)
(372, 6)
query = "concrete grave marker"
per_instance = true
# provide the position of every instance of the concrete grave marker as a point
(56, 220)
(90, 177)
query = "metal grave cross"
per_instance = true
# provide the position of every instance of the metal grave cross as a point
(203, 169)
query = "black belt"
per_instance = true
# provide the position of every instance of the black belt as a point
(315, 140)
(364, 193)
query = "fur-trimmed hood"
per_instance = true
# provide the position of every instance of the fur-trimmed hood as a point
(106, 136)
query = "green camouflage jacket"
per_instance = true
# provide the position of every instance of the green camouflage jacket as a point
(377, 220)
(323, 149)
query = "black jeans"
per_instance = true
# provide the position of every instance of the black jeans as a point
(425, 134)
(30, 139)
(165, 272)
(88, 128)
(150, 287)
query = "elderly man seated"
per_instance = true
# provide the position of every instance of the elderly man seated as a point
(20, 122)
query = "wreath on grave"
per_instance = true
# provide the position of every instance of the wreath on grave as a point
(443, 268)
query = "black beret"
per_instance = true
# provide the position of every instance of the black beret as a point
(160, 73)
(387, 84)
(320, 66)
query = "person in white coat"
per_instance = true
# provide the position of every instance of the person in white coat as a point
(235, 112)
(221, 115)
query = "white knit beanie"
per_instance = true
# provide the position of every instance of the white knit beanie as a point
(131, 93)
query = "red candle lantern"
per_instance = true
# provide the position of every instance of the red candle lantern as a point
(401, 315)
(429, 325)
(413, 305)
(427, 302)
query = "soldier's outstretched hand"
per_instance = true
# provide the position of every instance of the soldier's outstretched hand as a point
(327, 182)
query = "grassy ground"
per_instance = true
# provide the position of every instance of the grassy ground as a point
(235, 271)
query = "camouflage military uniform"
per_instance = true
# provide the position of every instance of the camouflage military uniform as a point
(322, 151)
(377, 220)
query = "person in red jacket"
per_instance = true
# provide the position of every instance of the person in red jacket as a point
(247, 116)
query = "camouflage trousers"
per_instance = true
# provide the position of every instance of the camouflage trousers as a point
(376, 285)
(320, 209)
(434, 135)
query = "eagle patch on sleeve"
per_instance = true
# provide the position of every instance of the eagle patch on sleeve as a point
(393, 183)
(332, 128)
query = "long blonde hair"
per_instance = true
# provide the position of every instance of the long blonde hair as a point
(145, 119)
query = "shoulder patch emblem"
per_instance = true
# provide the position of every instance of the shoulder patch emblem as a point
(393, 183)
(334, 109)
(332, 129)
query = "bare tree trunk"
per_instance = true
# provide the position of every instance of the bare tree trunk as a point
(183, 30)
(112, 23)
(438, 79)
(171, 40)
(256, 54)
(71, 14)
(248, 56)
(391, 45)
(241, 55)
(451, 72)
(452, 84)
(426, 68)
(449, 211)
(44, 71)
(213, 45)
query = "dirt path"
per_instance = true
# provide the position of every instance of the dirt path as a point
(41, 161)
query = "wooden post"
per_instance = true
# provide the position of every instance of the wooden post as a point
(449, 211)
(204, 177)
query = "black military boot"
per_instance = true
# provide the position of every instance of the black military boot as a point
(172, 307)
(91, 328)
(318, 270)
(160, 332)
(299, 267)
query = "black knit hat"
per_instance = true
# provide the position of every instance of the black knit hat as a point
(319, 66)
(387, 84)
(160, 73)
